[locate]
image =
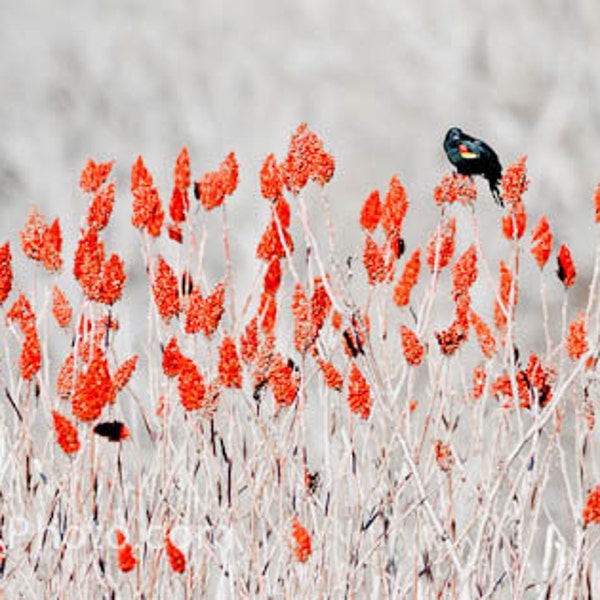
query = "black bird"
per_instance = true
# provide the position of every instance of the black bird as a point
(471, 156)
(115, 431)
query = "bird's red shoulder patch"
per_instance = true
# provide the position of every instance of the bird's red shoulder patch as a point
(466, 153)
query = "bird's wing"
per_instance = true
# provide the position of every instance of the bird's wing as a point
(485, 150)
(472, 148)
(486, 153)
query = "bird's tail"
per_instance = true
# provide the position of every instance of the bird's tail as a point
(496, 193)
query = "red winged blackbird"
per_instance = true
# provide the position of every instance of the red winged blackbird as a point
(115, 431)
(471, 156)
